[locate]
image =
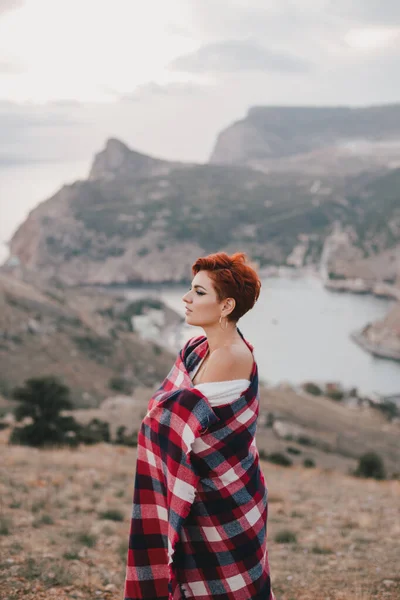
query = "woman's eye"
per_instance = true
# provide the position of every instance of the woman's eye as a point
(200, 293)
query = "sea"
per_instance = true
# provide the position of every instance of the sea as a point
(300, 330)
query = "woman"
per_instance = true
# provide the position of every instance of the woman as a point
(198, 527)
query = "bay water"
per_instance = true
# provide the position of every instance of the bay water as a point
(301, 332)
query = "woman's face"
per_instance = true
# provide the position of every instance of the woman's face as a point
(201, 302)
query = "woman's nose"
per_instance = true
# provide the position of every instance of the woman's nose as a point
(186, 297)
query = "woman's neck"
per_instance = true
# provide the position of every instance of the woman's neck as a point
(218, 337)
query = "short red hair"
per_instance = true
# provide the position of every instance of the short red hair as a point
(232, 277)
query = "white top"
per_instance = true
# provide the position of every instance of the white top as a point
(223, 392)
(220, 392)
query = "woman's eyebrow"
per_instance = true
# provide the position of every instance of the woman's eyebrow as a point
(200, 286)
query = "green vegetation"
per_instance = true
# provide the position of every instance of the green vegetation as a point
(5, 525)
(335, 394)
(371, 465)
(43, 520)
(94, 432)
(120, 384)
(312, 388)
(124, 439)
(95, 347)
(285, 536)
(277, 458)
(309, 463)
(41, 400)
(293, 450)
(86, 539)
(112, 515)
(304, 440)
(389, 409)
(321, 550)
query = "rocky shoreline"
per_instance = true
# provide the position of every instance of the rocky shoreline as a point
(360, 286)
(377, 350)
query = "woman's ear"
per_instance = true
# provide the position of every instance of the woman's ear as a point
(229, 306)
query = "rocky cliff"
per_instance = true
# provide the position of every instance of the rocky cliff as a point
(141, 219)
(317, 140)
(382, 338)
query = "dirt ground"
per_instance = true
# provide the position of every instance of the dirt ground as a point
(64, 519)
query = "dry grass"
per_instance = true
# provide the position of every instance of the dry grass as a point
(55, 543)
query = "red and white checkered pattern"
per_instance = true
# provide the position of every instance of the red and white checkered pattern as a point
(198, 527)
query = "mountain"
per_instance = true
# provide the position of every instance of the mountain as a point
(141, 219)
(314, 140)
(367, 246)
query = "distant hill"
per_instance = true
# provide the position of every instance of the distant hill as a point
(80, 336)
(141, 219)
(317, 140)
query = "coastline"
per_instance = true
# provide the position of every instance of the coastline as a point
(377, 350)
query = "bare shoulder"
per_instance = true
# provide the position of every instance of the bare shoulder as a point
(229, 362)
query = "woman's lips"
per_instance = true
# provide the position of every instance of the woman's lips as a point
(187, 310)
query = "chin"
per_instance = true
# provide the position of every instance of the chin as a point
(190, 321)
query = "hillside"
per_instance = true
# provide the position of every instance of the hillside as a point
(83, 337)
(332, 434)
(139, 219)
(65, 524)
(317, 140)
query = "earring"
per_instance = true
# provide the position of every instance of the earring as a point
(226, 322)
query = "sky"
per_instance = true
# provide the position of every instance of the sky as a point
(166, 76)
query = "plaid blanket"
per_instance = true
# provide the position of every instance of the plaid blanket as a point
(198, 527)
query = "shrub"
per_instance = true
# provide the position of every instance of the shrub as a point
(321, 550)
(262, 454)
(389, 409)
(305, 441)
(112, 514)
(371, 465)
(5, 525)
(293, 450)
(42, 399)
(87, 539)
(309, 463)
(335, 394)
(43, 520)
(270, 419)
(126, 440)
(71, 555)
(312, 388)
(285, 536)
(279, 459)
(95, 347)
(94, 432)
(120, 384)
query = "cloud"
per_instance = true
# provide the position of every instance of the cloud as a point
(35, 133)
(373, 12)
(237, 55)
(174, 89)
(10, 68)
(6, 5)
